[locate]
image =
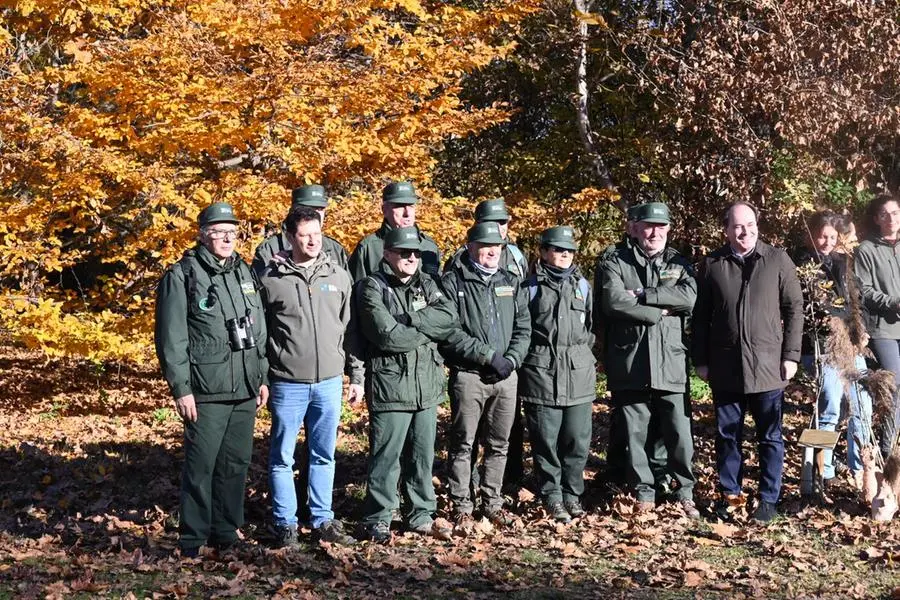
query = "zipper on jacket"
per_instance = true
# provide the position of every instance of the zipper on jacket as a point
(312, 313)
(234, 310)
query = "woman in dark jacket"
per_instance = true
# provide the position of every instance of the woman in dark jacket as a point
(877, 266)
(822, 242)
(558, 377)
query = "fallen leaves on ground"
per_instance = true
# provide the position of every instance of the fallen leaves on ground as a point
(87, 496)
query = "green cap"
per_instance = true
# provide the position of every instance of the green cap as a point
(486, 232)
(399, 192)
(561, 236)
(491, 210)
(652, 212)
(403, 238)
(217, 212)
(312, 196)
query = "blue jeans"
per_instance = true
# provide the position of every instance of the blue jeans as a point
(318, 407)
(766, 410)
(831, 395)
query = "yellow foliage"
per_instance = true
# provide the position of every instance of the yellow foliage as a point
(160, 107)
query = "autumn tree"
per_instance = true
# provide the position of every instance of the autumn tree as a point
(122, 120)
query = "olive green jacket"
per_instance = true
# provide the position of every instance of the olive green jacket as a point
(877, 267)
(370, 250)
(493, 317)
(308, 310)
(279, 243)
(194, 299)
(645, 349)
(403, 368)
(560, 369)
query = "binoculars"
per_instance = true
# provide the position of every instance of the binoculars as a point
(240, 333)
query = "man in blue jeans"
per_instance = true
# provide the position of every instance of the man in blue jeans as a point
(307, 299)
(748, 325)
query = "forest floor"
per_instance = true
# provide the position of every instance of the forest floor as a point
(89, 475)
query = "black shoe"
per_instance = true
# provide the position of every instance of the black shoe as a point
(574, 508)
(333, 532)
(558, 511)
(765, 512)
(379, 532)
(192, 552)
(286, 537)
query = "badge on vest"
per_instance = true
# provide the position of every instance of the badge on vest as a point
(248, 288)
(579, 296)
(419, 303)
(328, 287)
(503, 290)
(673, 273)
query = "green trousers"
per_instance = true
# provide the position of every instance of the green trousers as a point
(672, 414)
(617, 449)
(217, 451)
(560, 441)
(401, 450)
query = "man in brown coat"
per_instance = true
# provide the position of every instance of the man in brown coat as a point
(748, 324)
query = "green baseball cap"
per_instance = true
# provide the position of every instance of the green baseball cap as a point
(651, 212)
(561, 236)
(312, 196)
(399, 192)
(403, 238)
(217, 212)
(486, 232)
(491, 210)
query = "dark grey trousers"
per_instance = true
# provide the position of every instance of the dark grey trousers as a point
(493, 406)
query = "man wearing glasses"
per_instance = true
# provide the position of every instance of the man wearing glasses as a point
(558, 378)
(211, 340)
(398, 206)
(400, 315)
(648, 292)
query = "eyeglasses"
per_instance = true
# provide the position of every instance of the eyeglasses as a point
(558, 250)
(218, 234)
(408, 253)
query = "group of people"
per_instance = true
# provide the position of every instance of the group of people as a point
(519, 342)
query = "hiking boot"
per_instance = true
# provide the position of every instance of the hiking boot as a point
(192, 552)
(558, 511)
(333, 532)
(725, 504)
(765, 512)
(574, 508)
(439, 529)
(499, 517)
(286, 536)
(689, 508)
(379, 532)
(463, 524)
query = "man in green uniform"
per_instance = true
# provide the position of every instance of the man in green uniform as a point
(398, 206)
(493, 339)
(558, 378)
(616, 471)
(648, 293)
(513, 261)
(278, 246)
(211, 344)
(400, 315)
